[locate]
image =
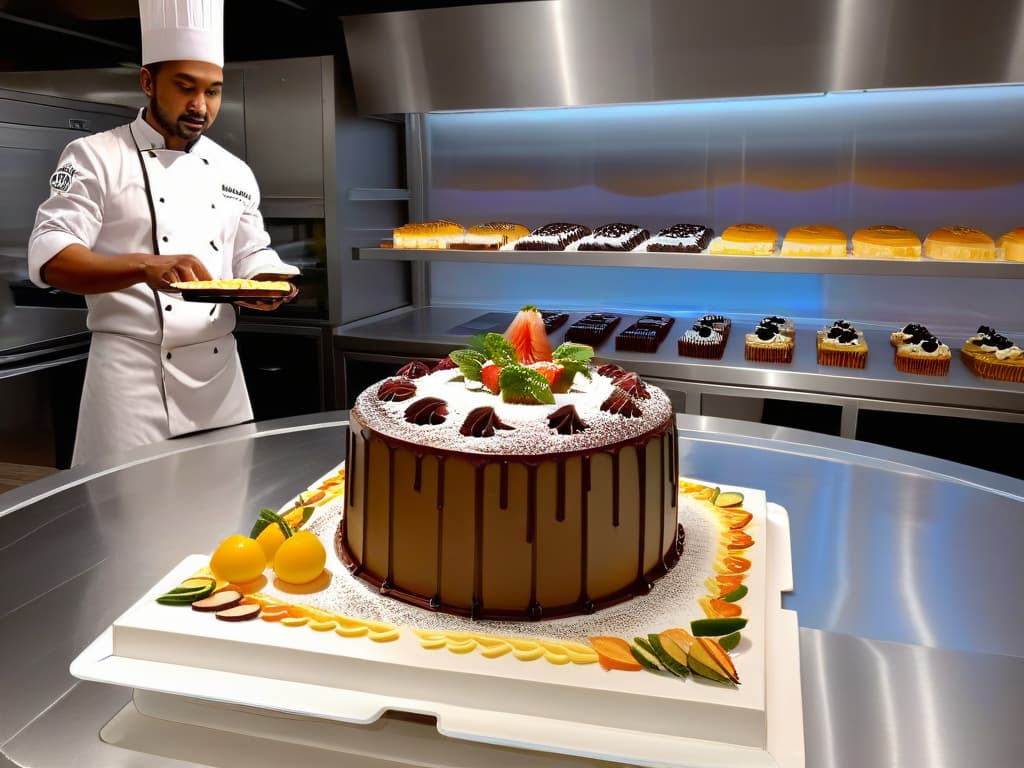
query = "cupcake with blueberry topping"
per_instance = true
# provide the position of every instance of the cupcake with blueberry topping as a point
(922, 353)
(991, 355)
(842, 345)
(906, 333)
(769, 343)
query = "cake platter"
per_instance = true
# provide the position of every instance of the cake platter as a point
(300, 681)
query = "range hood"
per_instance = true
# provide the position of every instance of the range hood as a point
(563, 53)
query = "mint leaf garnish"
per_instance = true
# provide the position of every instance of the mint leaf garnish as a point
(500, 350)
(581, 353)
(520, 384)
(572, 367)
(469, 361)
(476, 341)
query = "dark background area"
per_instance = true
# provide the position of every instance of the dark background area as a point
(79, 34)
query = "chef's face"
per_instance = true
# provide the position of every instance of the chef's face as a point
(184, 98)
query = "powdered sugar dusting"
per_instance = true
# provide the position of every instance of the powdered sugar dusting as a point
(530, 434)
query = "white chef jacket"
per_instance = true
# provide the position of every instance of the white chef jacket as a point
(122, 191)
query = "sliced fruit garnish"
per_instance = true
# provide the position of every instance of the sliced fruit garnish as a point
(614, 653)
(735, 564)
(673, 660)
(520, 384)
(739, 540)
(730, 499)
(644, 653)
(489, 375)
(679, 638)
(550, 371)
(708, 659)
(706, 494)
(688, 487)
(724, 583)
(528, 336)
(717, 627)
(737, 594)
(715, 608)
(736, 519)
(729, 642)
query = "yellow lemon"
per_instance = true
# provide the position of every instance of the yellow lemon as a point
(238, 558)
(300, 558)
(270, 538)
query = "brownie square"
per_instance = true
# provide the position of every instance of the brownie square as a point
(592, 329)
(645, 335)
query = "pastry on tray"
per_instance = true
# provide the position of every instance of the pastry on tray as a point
(959, 244)
(592, 329)
(645, 335)
(886, 241)
(991, 355)
(681, 238)
(702, 340)
(770, 343)
(746, 240)
(489, 236)
(814, 240)
(923, 353)
(552, 237)
(427, 235)
(1012, 245)
(613, 237)
(842, 345)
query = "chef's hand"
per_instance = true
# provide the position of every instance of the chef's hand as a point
(268, 306)
(161, 271)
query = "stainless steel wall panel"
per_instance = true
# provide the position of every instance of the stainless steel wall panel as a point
(557, 53)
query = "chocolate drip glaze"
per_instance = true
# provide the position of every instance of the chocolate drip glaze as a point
(533, 608)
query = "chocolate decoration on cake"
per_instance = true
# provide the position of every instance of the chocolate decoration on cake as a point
(481, 422)
(566, 421)
(413, 369)
(848, 337)
(841, 324)
(429, 410)
(834, 332)
(611, 370)
(397, 389)
(619, 402)
(632, 384)
(444, 364)
(930, 344)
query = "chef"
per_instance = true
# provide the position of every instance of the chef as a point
(136, 208)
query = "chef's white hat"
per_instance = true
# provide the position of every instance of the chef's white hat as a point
(175, 30)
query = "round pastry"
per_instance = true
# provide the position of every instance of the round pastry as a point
(746, 240)
(1012, 244)
(490, 235)
(427, 234)
(461, 502)
(886, 241)
(814, 240)
(959, 244)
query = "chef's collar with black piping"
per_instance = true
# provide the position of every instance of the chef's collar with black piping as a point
(148, 137)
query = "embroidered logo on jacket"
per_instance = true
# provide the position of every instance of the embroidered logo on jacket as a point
(234, 193)
(62, 177)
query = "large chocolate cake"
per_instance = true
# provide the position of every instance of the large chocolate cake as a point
(463, 503)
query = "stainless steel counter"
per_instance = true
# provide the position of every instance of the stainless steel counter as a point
(31, 332)
(905, 570)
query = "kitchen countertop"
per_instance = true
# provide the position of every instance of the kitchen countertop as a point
(904, 569)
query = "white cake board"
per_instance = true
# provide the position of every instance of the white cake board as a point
(205, 669)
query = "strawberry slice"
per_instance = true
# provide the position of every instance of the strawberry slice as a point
(489, 374)
(528, 336)
(550, 371)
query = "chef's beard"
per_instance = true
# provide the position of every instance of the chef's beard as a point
(176, 127)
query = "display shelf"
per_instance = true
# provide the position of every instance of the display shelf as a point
(703, 261)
